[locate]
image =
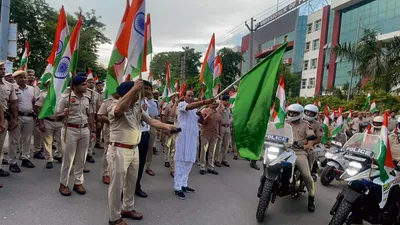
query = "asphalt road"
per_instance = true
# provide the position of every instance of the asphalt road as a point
(32, 197)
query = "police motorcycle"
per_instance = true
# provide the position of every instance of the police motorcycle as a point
(366, 197)
(280, 176)
(336, 163)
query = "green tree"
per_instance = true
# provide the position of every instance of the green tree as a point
(230, 66)
(292, 80)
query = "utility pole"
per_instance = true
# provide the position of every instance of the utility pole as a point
(353, 63)
(183, 69)
(252, 29)
(4, 25)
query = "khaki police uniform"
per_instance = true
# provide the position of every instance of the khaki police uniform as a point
(302, 130)
(169, 140)
(78, 136)
(395, 147)
(7, 94)
(37, 135)
(26, 123)
(317, 128)
(223, 142)
(106, 133)
(392, 124)
(355, 124)
(95, 104)
(123, 159)
(52, 132)
(99, 130)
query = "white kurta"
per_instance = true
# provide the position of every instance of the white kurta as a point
(186, 142)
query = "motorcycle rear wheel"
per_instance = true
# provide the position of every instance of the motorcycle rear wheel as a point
(327, 175)
(342, 213)
(264, 200)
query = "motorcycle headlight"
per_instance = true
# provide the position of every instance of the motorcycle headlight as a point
(354, 168)
(272, 152)
(337, 143)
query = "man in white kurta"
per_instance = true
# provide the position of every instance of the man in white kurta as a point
(186, 142)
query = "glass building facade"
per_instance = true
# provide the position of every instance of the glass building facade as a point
(299, 44)
(383, 16)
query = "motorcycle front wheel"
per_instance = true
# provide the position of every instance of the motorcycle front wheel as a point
(342, 213)
(264, 200)
(327, 175)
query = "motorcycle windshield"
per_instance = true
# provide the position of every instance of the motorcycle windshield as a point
(340, 137)
(282, 135)
(363, 141)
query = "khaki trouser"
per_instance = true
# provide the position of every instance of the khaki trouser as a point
(23, 131)
(304, 168)
(311, 159)
(2, 139)
(106, 134)
(223, 144)
(207, 145)
(99, 129)
(149, 157)
(124, 167)
(37, 139)
(74, 151)
(52, 132)
(169, 153)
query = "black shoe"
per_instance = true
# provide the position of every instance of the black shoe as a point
(141, 193)
(28, 164)
(311, 204)
(4, 162)
(155, 152)
(38, 155)
(4, 173)
(202, 172)
(49, 165)
(166, 164)
(235, 157)
(54, 147)
(14, 168)
(254, 165)
(212, 171)
(180, 195)
(42, 150)
(187, 189)
(58, 159)
(90, 159)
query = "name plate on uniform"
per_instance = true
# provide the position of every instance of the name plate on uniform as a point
(276, 138)
(360, 151)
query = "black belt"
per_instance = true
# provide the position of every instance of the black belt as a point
(145, 132)
(26, 114)
(170, 123)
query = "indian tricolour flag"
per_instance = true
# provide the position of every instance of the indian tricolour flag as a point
(207, 69)
(148, 46)
(116, 65)
(232, 96)
(348, 120)
(176, 87)
(132, 35)
(373, 108)
(325, 126)
(385, 159)
(280, 103)
(366, 133)
(368, 101)
(24, 60)
(217, 75)
(317, 103)
(168, 92)
(59, 45)
(339, 124)
(57, 85)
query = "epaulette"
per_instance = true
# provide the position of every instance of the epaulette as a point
(88, 89)
(87, 96)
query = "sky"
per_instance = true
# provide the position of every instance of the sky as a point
(177, 23)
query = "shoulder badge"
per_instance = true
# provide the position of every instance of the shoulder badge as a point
(73, 99)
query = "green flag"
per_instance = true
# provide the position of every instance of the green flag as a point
(255, 95)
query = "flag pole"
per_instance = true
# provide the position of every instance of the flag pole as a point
(68, 105)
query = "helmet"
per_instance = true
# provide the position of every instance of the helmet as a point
(312, 111)
(377, 122)
(294, 112)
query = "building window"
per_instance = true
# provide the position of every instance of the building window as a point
(317, 25)
(311, 83)
(313, 63)
(307, 46)
(315, 44)
(303, 83)
(305, 66)
(309, 28)
(285, 38)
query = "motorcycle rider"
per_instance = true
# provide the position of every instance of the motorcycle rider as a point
(395, 145)
(310, 116)
(301, 132)
(377, 125)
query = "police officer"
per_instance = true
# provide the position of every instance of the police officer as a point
(301, 132)
(9, 107)
(154, 114)
(95, 105)
(51, 130)
(377, 125)
(123, 153)
(99, 126)
(78, 119)
(355, 123)
(26, 118)
(226, 123)
(102, 115)
(310, 116)
(168, 116)
(395, 145)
